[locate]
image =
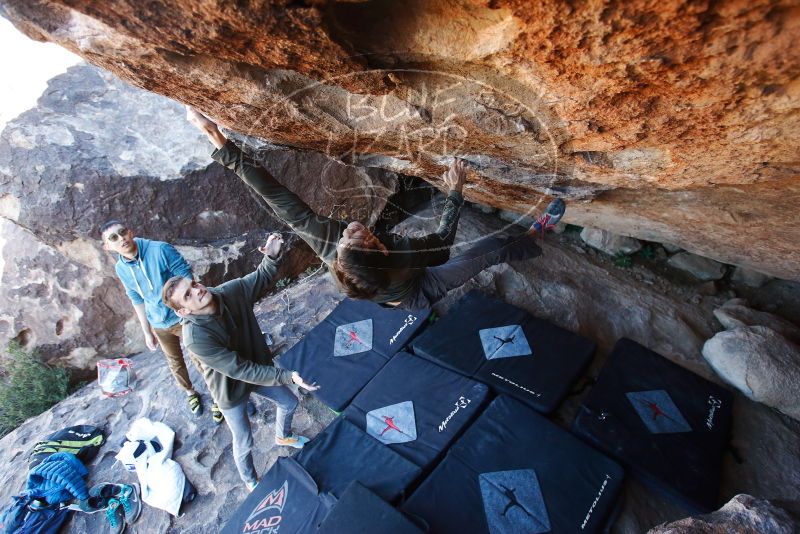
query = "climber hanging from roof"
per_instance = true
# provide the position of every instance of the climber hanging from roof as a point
(390, 269)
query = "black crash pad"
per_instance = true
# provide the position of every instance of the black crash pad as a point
(667, 424)
(515, 353)
(416, 407)
(342, 453)
(514, 471)
(349, 346)
(286, 500)
(360, 511)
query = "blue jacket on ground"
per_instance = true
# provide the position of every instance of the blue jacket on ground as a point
(59, 478)
(144, 276)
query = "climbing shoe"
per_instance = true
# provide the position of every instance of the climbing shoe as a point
(216, 414)
(126, 495)
(195, 406)
(296, 442)
(549, 219)
(115, 516)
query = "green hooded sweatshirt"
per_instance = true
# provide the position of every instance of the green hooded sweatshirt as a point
(408, 256)
(230, 345)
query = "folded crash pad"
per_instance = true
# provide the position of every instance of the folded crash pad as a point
(515, 353)
(416, 408)
(343, 453)
(286, 500)
(360, 511)
(667, 424)
(349, 346)
(514, 471)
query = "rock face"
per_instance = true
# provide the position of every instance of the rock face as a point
(96, 149)
(608, 242)
(672, 121)
(760, 363)
(742, 514)
(698, 266)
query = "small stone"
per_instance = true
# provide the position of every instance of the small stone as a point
(741, 514)
(611, 244)
(672, 249)
(749, 277)
(698, 266)
(759, 362)
(708, 289)
(516, 218)
(484, 208)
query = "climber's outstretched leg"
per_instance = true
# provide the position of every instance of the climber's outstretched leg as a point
(437, 281)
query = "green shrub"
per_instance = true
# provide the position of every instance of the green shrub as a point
(29, 387)
(283, 283)
(648, 251)
(621, 260)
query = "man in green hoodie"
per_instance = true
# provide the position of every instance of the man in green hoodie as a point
(221, 330)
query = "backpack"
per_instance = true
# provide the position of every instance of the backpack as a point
(82, 440)
(27, 515)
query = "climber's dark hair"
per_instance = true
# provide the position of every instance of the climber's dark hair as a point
(360, 273)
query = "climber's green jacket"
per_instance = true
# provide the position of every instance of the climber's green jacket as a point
(408, 256)
(230, 346)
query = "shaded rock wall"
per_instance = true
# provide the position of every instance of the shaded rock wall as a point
(97, 149)
(669, 121)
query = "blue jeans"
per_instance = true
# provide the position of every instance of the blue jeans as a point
(239, 423)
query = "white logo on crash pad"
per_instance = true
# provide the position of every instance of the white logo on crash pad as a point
(353, 338)
(393, 424)
(504, 342)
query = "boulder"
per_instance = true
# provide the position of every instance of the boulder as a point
(701, 268)
(749, 277)
(735, 313)
(743, 514)
(610, 243)
(662, 121)
(759, 362)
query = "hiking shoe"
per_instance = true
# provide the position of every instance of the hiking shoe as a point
(549, 219)
(296, 442)
(216, 414)
(115, 516)
(126, 495)
(195, 405)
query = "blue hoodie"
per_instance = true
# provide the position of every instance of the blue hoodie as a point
(145, 276)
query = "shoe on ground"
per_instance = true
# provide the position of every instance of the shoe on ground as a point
(127, 495)
(296, 442)
(195, 406)
(216, 414)
(549, 219)
(115, 517)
